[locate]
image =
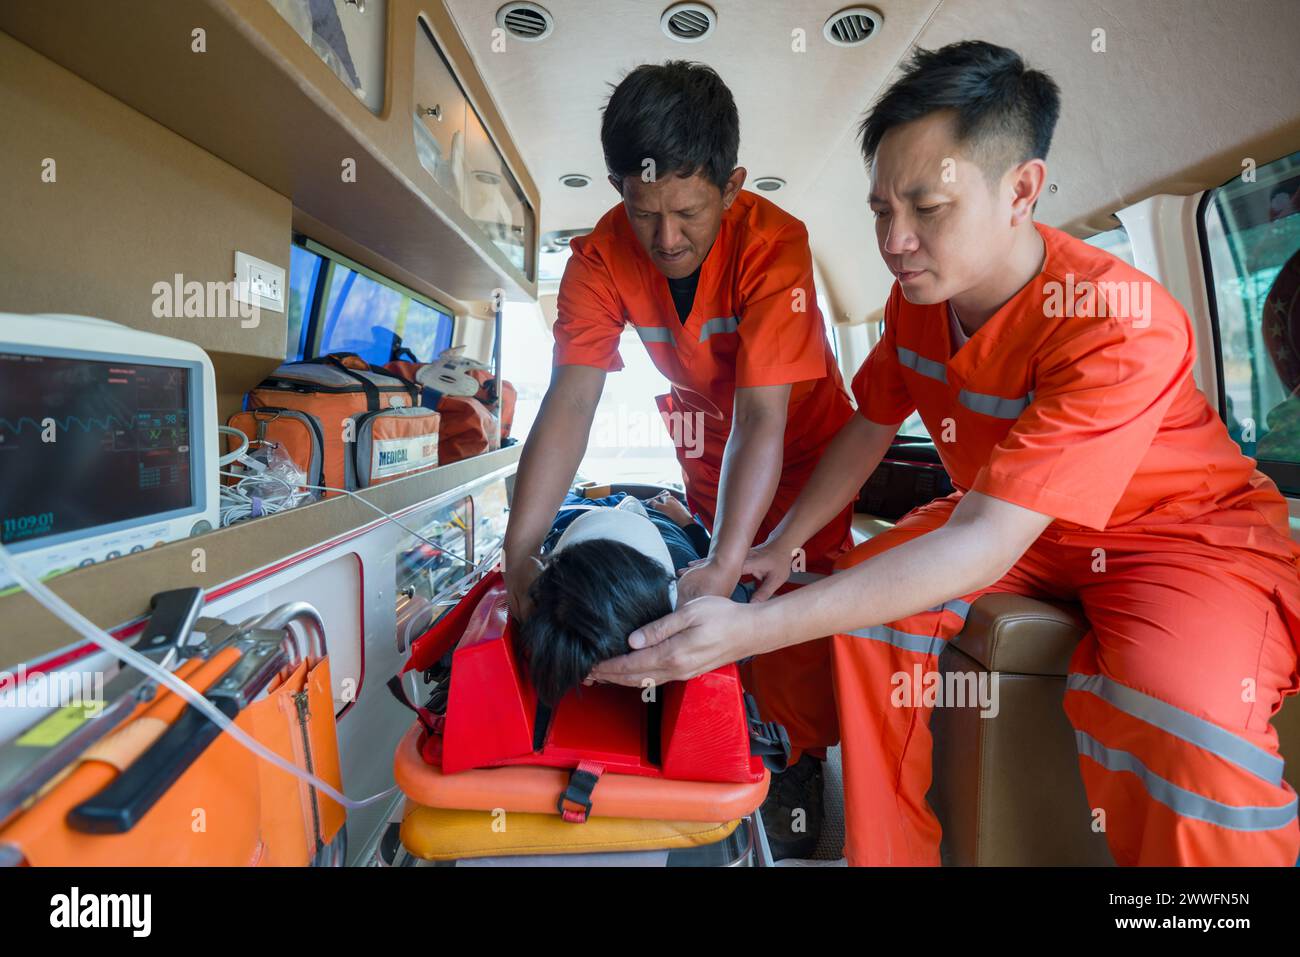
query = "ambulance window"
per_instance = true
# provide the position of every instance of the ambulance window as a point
(1114, 241)
(913, 427)
(1250, 237)
(337, 305)
(304, 274)
(832, 336)
(551, 262)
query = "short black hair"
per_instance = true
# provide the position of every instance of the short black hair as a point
(1003, 110)
(680, 114)
(587, 599)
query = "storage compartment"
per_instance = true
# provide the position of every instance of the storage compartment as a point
(348, 36)
(456, 149)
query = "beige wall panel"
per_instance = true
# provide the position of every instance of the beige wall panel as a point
(133, 205)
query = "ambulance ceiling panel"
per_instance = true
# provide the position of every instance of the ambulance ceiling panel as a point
(1184, 90)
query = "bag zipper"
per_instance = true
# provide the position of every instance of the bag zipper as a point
(304, 716)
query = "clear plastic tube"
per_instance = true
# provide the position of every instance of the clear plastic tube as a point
(127, 655)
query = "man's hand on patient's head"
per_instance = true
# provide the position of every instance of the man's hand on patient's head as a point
(707, 576)
(696, 638)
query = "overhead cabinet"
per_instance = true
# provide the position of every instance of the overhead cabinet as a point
(456, 149)
(348, 36)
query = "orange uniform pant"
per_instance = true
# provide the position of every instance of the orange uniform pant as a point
(1190, 651)
(792, 686)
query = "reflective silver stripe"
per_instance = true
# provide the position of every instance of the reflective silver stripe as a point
(1187, 727)
(1187, 803)
(902, 639)
(650, 334)
(958, 606)
(993, 405)
(722, 324)
(926, 367)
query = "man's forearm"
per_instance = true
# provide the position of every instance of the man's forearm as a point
(751, 471)
(549, 461)
(847, 463)
(894, 584)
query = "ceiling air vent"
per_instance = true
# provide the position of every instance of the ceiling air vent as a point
(769, 184)
(525, 21)
(575, 180)
(850, 27)
(688, 22)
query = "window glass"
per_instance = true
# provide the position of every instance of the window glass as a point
(551, 263)
(1114, 241)
(1251, 231)
(359, 313)
(913, 426)
(304, 272)
(628, 441)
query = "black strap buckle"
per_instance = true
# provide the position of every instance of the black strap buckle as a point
(582, 782)
(767, 739)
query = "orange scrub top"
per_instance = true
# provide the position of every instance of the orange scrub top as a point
(754, 322)
(1076, 399)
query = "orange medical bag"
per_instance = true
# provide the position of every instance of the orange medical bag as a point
(345, 423)
(468, 425)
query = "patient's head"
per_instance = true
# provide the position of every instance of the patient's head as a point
(587, 599)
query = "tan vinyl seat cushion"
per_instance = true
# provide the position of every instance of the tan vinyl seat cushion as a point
(1018, 635)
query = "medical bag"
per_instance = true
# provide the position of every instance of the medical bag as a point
(499, 401)
(468, 424)
(346, 424)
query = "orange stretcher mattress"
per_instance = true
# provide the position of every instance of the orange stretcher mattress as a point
(536, 789)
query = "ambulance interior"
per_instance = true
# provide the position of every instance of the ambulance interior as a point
(399, 180)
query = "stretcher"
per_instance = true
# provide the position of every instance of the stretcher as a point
(488, 771)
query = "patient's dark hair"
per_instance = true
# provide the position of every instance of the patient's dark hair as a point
(586, 601)
(679, 114)
(1005, 113)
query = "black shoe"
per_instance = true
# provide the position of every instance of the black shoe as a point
(793, 811)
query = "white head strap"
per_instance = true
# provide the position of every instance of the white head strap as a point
(627, 525)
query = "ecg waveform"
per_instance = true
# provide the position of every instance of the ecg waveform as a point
(150, 429)
(63, 425)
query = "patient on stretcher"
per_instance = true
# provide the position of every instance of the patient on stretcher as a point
(608, 567)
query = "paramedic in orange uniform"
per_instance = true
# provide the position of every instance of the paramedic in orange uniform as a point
(718, 284)
(1088, 468)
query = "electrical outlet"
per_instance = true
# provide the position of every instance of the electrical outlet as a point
(259, 282)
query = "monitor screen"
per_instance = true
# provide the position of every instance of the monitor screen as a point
(87, 443)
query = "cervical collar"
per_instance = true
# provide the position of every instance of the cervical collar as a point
(627, 524)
